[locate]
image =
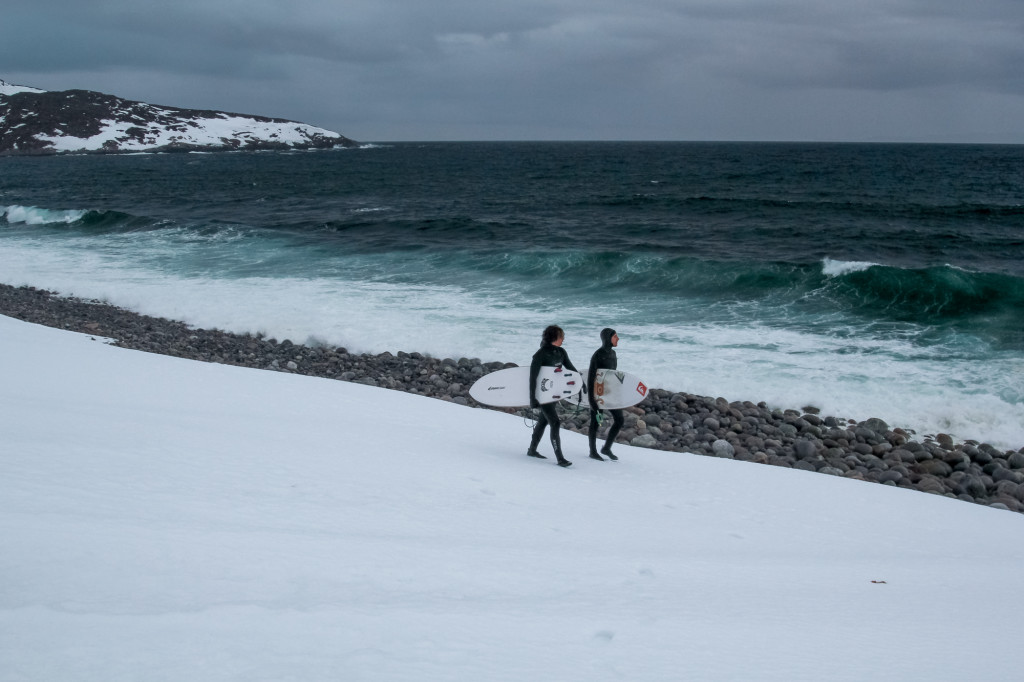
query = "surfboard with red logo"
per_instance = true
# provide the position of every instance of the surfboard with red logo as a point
(511, 387)
(614, 389)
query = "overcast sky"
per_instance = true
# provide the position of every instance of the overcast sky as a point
(389, 70)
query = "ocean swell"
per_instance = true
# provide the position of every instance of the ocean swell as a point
(934, 296)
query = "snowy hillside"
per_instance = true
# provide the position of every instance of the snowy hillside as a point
(80, 121)
(164, 519)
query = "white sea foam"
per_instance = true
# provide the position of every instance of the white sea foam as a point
(31, 215)
(838, 268)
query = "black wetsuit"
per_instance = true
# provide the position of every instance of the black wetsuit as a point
(549, 355)
(603, 358)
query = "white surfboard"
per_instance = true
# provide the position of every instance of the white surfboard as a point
(614, 390)
(511, 387)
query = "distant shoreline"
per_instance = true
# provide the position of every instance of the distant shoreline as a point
(673, 421)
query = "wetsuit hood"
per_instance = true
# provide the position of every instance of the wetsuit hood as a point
(606, 336)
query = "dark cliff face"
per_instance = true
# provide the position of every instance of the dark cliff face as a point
(93, 122)
(26, 115)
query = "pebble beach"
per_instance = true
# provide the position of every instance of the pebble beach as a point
(869, 450)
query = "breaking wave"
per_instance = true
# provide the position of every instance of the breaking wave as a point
(32, 215)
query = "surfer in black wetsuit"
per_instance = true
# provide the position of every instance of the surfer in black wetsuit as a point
(603, 358)
(550, 354)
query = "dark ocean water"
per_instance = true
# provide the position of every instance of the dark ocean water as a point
(871, 280)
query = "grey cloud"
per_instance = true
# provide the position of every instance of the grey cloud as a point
(535, 68)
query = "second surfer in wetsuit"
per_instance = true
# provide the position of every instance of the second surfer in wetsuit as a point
(550, 354)
(603, 358)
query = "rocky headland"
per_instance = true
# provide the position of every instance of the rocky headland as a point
(869, 450)
(35, 122)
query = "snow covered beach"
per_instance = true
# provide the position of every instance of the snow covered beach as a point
(165, 519)
(867, 450)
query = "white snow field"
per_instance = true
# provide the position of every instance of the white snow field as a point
(163, 519)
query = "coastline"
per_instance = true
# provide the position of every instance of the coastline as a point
(870, 450)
